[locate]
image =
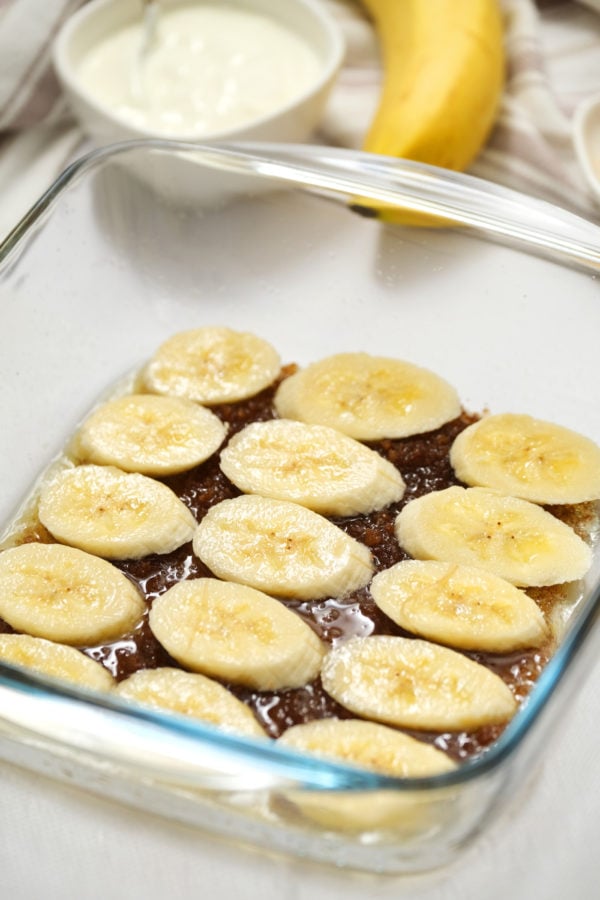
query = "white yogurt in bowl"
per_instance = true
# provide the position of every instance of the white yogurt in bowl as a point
(208, 68)
(247, 69)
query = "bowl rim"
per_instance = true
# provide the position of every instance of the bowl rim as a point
(581, 122)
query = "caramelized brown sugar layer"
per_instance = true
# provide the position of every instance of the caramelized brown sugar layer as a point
(424, 463)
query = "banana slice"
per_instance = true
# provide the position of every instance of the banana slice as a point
(370, 746)
(55, 660)
(233, 632)
(280, 548)
(528, 458)
(114, 514)
(512, 538)
(66, 595)
(212, 365)
(149, 434)
(415, 684)
(190, 694)
(462, 606)
(368, 397)
(312, 465)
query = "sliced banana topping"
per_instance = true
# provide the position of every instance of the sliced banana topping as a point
(369, 745)
(280, 548)
(190, 694)
(472, 549)
(55, 660)
(368, 397)
(312, 465)
(66, 595)
(528, 458)
(415, 684)
(212, 365)
(512, 538)
(236, 633)
(461, 606)
(149, 434)
(114, 514)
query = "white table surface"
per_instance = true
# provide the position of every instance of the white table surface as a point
(58, 842)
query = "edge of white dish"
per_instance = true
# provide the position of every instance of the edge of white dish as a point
(586, 139)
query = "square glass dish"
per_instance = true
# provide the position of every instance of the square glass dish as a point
(111, 262)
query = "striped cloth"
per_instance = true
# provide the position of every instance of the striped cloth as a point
(29, 90)
(553, 52)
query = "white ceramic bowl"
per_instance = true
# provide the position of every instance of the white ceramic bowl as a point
(181, 179)
(586, 136)
(293, 122)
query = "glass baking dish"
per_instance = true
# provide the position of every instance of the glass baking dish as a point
(124, 260)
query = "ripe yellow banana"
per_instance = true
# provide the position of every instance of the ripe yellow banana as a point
(443, 64)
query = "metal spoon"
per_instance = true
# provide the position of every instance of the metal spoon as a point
(149, 25)
(150, 15)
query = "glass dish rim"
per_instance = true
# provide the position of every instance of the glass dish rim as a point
(314, 773)
(408, 185)
(488, 210)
